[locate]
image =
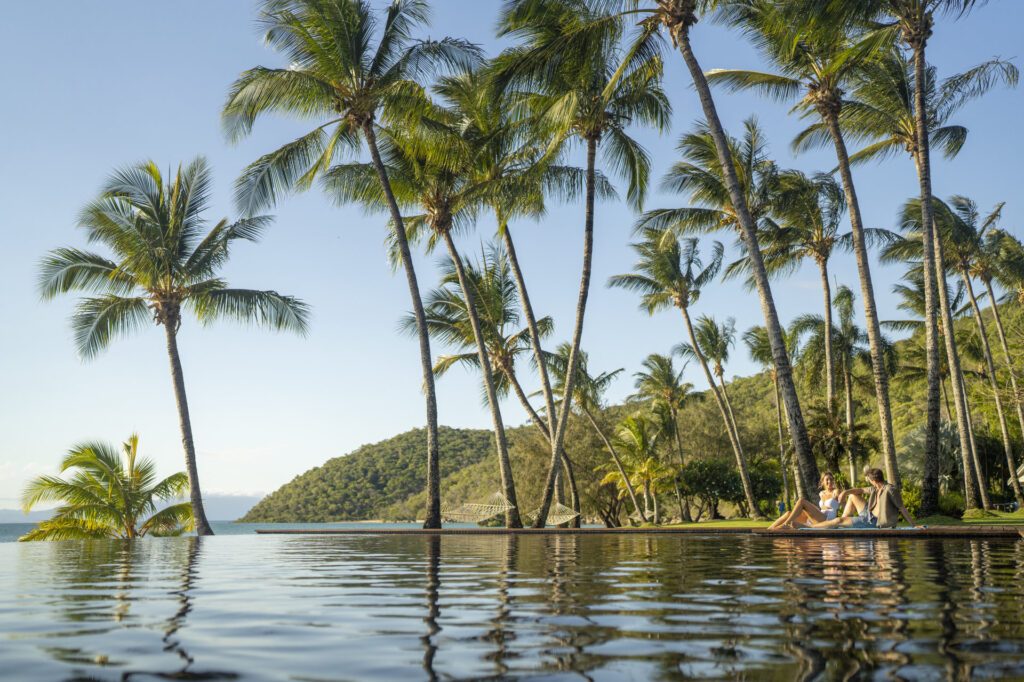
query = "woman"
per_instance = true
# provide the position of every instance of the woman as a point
(882, 508)
(827, 509)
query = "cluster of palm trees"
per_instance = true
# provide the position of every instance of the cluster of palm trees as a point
(492, 136)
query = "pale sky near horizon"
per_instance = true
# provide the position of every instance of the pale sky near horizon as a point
(90, 87)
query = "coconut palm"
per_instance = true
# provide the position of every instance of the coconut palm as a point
(428, 164)
(662, 385)
(961, 226)
(582, 92)
(639, 441)
(164, 264)
(756, 340)
(109, 495)
(815, 64)
(348, 72)
(588, 392)
(670, 273)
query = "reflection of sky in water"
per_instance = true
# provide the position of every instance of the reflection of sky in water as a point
(389, 607)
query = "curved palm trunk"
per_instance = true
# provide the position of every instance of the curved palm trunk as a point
(508, 484)
(577, 336)
(782, 443)
(929, 488)
(1010, 370)
(185, 422)
(433, 518)
(994, 384)
(741, 461)
(971, 493)
(780, 357)
(980, 478)
(618, 465)
(830, 377)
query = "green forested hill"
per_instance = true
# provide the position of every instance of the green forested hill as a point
(363, 483)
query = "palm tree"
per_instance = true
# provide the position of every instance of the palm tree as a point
(639, 441)
(347, 72)
(428, 164)
(699, 175)
(816, 64)
(670, 273)
(756, 340)
(958, 225)
(678, 17)
(582, 91)
(163, 265)
(588, 391)
(108, 496)
(661, 384)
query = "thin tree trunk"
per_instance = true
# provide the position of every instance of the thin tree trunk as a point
(780, 356)
(684, 508)
(929, 489)
(737, 448)
(830, 377)
(618, 464)
(508, 484)
(981, 481)
(433, 519)
(782, 444)
(577, 336)
(934, 277)
(657, 511)
(945, 400)
(971, 495)
(185, 422)
(994, 383)
(1006, 356)
(848, 390)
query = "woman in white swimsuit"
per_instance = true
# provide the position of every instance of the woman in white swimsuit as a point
(805, 512)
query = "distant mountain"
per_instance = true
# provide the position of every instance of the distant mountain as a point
(218, 508)
(362, 484)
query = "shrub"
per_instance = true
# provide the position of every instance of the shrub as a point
(951, 504)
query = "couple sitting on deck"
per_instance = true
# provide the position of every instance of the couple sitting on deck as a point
(878, 505)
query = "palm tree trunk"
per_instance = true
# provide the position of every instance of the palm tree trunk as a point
(929, 488)
(185, 422)
(1010, 370)
(433, 518)
(848, 390)
(782, 444)
(508, 483)
(684, 508)
(979, 473)
(830, 380)
(657, 512)
(945, 400)
(618, 464)
(971, 495)
(780, 356)
(994, 383)
(934, 278)
(734, 440)
(577, 335)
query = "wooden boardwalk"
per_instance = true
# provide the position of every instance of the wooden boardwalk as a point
(977, 532)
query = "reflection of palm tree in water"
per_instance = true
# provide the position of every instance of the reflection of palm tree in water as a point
(945, 585)
(184, 595)
(500, 633)
(433, 605)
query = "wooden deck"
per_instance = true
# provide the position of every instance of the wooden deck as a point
(978, 532)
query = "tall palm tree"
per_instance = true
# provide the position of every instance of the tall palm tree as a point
(110, 495)
(670, 273)
(428, 164)
(958, 225)
(348, 72)
(815, 64)
(699, 176)
(639, 440)
(756, 340)
(588, 392)
(582, 92)
(163, 265)
(661, 384)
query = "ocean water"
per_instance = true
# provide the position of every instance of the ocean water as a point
(553, 607)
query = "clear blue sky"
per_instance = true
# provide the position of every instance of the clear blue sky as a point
(92, 86)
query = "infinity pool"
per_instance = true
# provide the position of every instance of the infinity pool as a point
(379, 607)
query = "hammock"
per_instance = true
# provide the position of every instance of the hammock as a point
(557, 514)
(473, 512)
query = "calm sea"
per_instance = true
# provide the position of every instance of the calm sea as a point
(562, 607)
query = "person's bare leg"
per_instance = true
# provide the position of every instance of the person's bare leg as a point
(803, 514)
(854, 505)
(800, 506)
